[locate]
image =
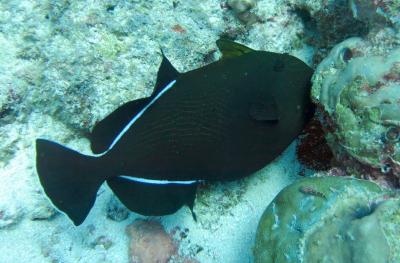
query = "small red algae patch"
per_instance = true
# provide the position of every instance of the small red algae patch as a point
(149, 243)
(178, 29)
(312, 150)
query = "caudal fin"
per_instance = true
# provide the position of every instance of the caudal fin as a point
(70, 179)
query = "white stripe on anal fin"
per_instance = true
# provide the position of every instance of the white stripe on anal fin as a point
(137, 116)
(152, 181)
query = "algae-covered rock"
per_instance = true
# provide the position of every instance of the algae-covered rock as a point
(116, 211)
(330, 219)
(358, 88)
(242, 9)
(10, 215)
(377, 12)
(327, 22)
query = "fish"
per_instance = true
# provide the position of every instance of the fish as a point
(220, 122)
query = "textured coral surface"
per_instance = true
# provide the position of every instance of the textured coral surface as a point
(358, 87)
(150, 243)
(333, 219)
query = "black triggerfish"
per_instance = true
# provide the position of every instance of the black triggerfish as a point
(223, 121)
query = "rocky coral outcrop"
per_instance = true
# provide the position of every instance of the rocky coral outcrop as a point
(150, 243)
(243, 10)
(327, 22)
(333, 219)
(358, 89)
(377, 13)
(115, 210)
(10, 215)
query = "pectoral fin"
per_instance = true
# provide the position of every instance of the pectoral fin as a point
(264, 110)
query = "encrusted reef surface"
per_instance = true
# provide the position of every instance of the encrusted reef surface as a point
(377, 13)
(330, 219)
(358, 89)
(327, 23)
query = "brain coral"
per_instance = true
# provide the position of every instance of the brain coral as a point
(330, 219)
(358, 88)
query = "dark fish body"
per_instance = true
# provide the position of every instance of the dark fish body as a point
(220, 122)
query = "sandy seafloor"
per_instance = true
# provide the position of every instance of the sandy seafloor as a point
(66, 64)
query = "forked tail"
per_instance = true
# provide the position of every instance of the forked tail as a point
(70, 179)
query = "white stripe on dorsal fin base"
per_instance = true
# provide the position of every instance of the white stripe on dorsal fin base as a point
(137, 116)
(152, 181)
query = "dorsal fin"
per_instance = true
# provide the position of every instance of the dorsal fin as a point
(104, 132)
(230, 49)
(166, 74)
(264, 110)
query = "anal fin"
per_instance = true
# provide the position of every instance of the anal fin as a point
(153, 199)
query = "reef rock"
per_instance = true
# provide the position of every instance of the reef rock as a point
(327, 22)
(10, 215)
(242, 9)
(358, 89)
(116, 211)
(330, 219)
(382, 12)
(43, 212)
(150, 243)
